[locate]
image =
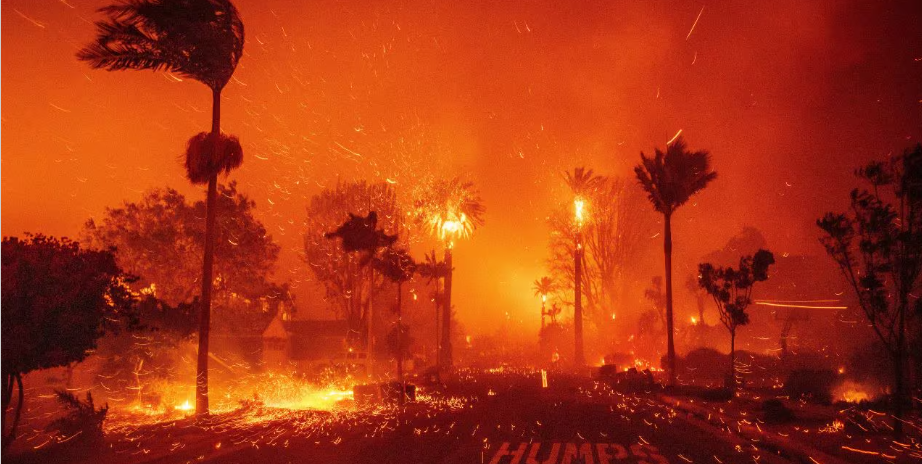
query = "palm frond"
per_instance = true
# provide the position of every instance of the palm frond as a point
(670, 178)
(208, 154)
(582, 181)
(198, 39)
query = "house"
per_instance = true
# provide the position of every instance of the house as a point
(305, 344)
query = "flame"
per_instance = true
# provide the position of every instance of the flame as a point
(186, 406)
(450, 226)
(853, 392)
(694, 320)
(579, 208)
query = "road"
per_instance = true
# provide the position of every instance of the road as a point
(495, 418)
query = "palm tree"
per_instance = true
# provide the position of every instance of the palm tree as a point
(434, 270)
(196, 39)
(360, 234)
(670, 179)
(398, 266)
(582, 182)
(452, 209)
(543, 287)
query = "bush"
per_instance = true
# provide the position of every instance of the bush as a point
(776, 412)
(82, 419)
(814, 384)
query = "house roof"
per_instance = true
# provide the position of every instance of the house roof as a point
(317, 328)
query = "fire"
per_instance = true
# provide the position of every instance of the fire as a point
(694, 320)
(852, 392)
(579, 206)
(835, 426)
(186, 406)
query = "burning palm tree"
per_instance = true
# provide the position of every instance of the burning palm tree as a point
(196, 39)
(543, 287)
(582, 182)
(670, 179)
(452, 210)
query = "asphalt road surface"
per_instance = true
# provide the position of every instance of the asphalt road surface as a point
(503, 418)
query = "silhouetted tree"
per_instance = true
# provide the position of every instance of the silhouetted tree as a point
(654, 294)
(398, 266)
(614, 235)
(197, 39)
(731, 290)
(543, 287)
(581, 182)
(878, 247)
(670, 179)
(435, 271)
(58, 299)
(360, 235)
(160, 239)
(347, 283)
(452, 209)
(691, 284)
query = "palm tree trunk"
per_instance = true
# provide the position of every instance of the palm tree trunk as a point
(403, 387)
(201, 378)
(670, 343)
(542, 313)
(446, 314)
(370, 315)
(579, 356)
(438, 347)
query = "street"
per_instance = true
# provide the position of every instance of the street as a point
(492, 418)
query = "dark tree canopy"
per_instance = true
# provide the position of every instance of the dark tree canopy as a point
(878, 247)
(58, 299)
(160, 238)
(197, 39)
(670, 178)
(731, 288)
(208, 154)
(395, 264)
(339, 272)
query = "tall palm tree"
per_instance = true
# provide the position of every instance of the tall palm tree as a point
(196, 39)
(398, 266)
(543, 287)
(434, 271)
(583, 183)
(670, 179)
(452, 209)
(360, 234)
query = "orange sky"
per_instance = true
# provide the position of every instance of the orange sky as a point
(789, 97)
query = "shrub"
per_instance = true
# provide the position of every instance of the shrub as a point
(775, 411)
(82, 418)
